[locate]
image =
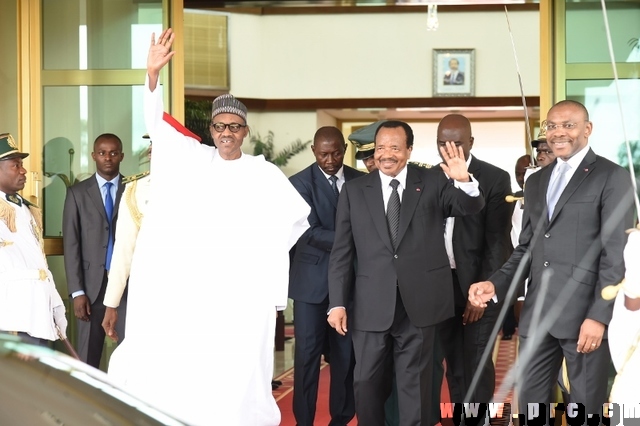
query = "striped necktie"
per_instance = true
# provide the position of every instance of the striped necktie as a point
(393, 213)
(334, 185)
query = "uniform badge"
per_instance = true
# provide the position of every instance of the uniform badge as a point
(12, 142)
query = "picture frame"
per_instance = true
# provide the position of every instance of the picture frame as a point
(449, 80)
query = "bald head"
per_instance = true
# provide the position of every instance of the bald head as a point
(328, 132)
(329, 147)
(568, 103)
(456, 128)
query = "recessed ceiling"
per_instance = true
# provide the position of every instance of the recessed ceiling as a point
(486, 113)
(337, 3)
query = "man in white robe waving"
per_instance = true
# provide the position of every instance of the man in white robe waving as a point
(209, 270)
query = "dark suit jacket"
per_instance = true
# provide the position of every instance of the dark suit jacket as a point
(308, 277)
(459, 79)
(85, 236)
(419, 267)
(578, 251)
(482, 241)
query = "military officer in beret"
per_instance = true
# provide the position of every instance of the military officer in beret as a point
(30, 305)
(363, 140)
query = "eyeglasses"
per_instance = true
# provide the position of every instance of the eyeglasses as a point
(567, 126)
(111, 154)
(544, 151)
(234, 127)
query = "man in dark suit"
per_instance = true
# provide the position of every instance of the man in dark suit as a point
(88, 236)
(477, 246)
(403, 283)
(319, 184)
(523, 164)
(453, 75)
(573, 234)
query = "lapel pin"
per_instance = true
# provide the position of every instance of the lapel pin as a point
(417, 189)
(586, 170)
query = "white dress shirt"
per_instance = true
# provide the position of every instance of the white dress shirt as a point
(339, 174)
(450, 223)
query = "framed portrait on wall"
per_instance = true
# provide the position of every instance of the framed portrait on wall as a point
(454, 72)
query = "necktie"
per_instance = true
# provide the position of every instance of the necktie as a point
(108, 208)
(556, 187)
(14, 198)
(334, 185)
(393, 213)
(444, 225)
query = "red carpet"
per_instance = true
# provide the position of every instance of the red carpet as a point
(284, 398)
(288, 330)
(504, 357)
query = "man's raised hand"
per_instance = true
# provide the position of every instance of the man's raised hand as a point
(455, 165)
(160, 54)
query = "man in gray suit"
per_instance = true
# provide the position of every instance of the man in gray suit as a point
(403, 282)
(573, 235)
(88, 226)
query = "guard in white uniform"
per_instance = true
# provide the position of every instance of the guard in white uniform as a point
(30, 305)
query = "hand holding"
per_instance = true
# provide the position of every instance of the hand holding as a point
(471, 314)
(337, 319)
(480, 293)
(60, 319)
(455, 165)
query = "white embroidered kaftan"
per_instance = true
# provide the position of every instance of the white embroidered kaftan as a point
(210, 267)
(133, 205)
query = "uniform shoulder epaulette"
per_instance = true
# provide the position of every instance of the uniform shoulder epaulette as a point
(128, 179)
(29, 203)
(423, 165)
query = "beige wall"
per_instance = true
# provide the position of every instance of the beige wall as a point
(376, 55)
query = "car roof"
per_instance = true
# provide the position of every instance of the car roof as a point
(40, 386)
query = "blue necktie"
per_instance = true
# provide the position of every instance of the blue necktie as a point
(108, 208)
